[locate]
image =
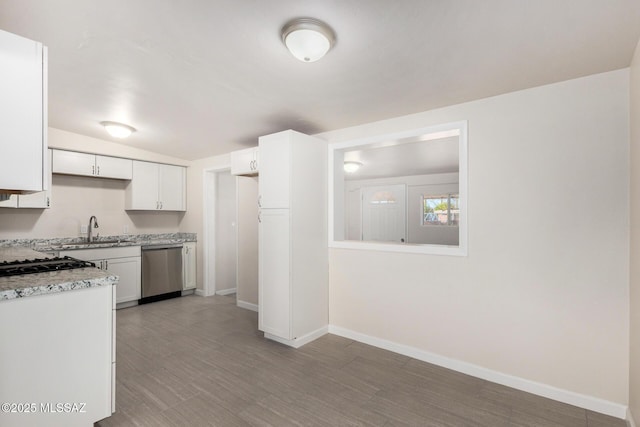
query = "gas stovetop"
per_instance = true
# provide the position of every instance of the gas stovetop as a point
(41, 265)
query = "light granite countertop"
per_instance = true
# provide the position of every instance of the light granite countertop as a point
(70, 243)
(21, 286)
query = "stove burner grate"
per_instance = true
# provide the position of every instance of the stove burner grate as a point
(41, 265)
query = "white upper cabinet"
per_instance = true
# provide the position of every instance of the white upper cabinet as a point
(244, 162)
(156, 186)
(37, 200)
(114, 167)
(172, 191)
(72, 163)
(23, 113)
(275, 151)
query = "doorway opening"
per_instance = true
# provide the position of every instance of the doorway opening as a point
(220, 244)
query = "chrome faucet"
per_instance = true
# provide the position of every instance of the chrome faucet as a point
(90, 237)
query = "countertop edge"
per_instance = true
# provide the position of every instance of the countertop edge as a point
(54, 288)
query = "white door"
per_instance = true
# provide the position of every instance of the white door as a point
(274, 295)
(384, 213)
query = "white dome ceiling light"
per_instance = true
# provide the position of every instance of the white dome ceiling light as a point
(351, 167)
(118, 130)
(308, 39)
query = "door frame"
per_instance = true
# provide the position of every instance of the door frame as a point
(209, 195)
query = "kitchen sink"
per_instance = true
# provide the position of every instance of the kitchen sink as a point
(95, 242)
(98, 242)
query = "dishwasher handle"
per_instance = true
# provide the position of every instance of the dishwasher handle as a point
(161, 247)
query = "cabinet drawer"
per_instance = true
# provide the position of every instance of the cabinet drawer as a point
(102, 253)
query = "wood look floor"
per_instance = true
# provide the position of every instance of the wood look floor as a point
(196, 361)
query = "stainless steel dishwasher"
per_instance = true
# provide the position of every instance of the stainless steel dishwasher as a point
(161, 272)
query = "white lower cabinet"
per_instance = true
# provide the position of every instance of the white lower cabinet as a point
(128, 270)
(189, 265)
(62, 352)
(124, 262)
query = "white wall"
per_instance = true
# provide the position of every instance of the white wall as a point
(74, 199)
(539, 297)
(65, 140)
(634, 376)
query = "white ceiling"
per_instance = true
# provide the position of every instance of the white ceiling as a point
(414, 158)
(204, 77)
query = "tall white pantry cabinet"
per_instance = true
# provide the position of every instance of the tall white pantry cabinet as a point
(293, 254)
(23, 114)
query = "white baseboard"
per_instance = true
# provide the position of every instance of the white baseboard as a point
(200, 293)
(630, 420)
(226, 291)
(300, 341)
(247, 305)
(583, 401)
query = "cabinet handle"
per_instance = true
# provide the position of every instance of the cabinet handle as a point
(93, 170)
(161, 205)
(260, 201)
(98, 170)
(259, 216)
(106, 264)
(48, 202)
(157, 205)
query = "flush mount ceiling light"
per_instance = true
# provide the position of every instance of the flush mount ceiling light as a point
(118, 130)
(351, 167)
(308, 39)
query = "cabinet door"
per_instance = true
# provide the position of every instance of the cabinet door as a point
(172, 188)
(128, 271)
(41, 199)
(113, 167)
(189, 265)
(244, 162)
(142, 191)
(22, 113)
(72, 163)
(275, 171)
(12, 202)
(274, 296)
